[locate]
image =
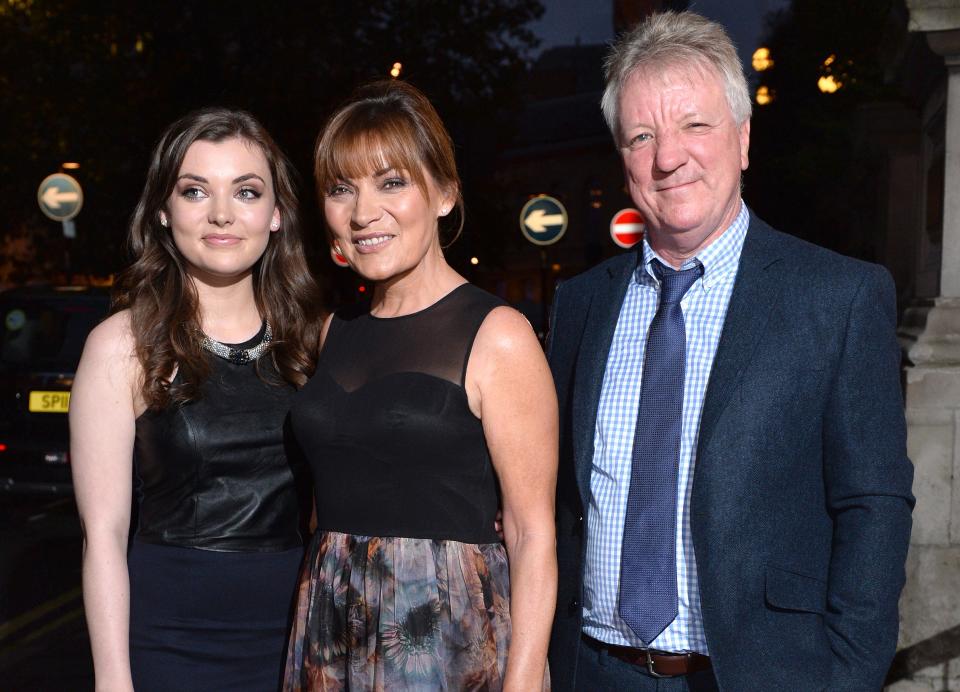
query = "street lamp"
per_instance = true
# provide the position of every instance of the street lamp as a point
(828, 82)
(761, 59)
(70, 166)
(395, 70)
(764, 95)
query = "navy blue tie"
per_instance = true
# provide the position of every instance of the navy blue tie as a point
(648, 563)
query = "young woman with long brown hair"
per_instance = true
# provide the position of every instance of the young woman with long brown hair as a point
(180, 400)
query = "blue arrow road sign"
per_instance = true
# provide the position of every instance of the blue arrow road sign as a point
(60, 197)
(543, 220)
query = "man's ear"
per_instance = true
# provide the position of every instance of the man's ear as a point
(744, 144)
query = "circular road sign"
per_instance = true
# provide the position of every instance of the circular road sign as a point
(627, 227)
(543, 220)
(60, 197)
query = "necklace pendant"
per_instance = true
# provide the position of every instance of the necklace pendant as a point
(239, 357)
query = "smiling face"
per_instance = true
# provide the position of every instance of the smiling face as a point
(222, 209)
(683, 154)
(384, 223)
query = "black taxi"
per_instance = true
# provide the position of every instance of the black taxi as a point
(44, 329)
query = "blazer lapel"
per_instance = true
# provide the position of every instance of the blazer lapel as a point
(592, 362)
(755, 292)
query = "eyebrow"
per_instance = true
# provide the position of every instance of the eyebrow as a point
(242, 178)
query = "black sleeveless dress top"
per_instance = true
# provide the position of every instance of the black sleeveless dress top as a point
(215, 473)
(387, 430)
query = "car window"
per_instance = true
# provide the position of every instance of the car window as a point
(46, 335)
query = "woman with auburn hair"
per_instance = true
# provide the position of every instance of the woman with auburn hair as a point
(425, 402)
(181, 397)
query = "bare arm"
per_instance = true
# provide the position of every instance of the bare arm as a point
(510, 387)
(102, 414)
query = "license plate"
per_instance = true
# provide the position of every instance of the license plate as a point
(49, 402)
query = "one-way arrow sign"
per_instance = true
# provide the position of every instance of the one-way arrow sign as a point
(60, 197)
(543, 220)
(52, 197)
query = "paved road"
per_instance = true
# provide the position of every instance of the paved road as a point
(43, 639)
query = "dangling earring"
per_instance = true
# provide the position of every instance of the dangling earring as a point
(163, 220)
(337, 256)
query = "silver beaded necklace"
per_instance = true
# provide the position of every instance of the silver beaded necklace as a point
(238, 356)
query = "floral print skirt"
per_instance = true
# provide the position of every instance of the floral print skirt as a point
(399, 614)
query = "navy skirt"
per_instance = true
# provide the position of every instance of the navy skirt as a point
(209, 620)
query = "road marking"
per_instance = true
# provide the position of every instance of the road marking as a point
(21, 621)
(14, 652)
(47, 508)
(50, 627)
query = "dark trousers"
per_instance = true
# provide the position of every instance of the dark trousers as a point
(598, 671)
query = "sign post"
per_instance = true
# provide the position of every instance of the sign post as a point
(60, 198)
(543, 221)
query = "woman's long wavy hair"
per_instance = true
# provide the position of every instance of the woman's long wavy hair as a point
(161, 297)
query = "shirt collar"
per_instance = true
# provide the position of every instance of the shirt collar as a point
(718, 258)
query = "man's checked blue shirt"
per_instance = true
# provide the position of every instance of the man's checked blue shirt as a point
(704, 309)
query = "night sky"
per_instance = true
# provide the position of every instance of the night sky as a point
(564, 21)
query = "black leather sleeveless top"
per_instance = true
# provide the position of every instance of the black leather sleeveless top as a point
(215, 473)
(387, 430)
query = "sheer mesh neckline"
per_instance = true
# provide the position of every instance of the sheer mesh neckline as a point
(440, 301)
(435, 341)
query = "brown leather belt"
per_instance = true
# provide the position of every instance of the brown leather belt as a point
(659, 664)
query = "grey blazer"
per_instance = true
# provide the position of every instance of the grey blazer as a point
(801, 498)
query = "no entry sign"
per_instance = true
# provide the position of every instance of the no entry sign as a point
(626, 228)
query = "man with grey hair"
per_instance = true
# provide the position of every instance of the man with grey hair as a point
(734, 495)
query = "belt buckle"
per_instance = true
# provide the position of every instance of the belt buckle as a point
(651, 669)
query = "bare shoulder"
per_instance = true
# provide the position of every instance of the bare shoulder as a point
(506, 333)
(506, 350)
(111, 349)
(112, 336)
(508, 373)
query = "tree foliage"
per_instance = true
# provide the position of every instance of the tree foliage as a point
(80, 82)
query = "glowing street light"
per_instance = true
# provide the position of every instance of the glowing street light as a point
(70, 166)
(474, 261)
(761, 59)
(829, 84)
(764, 95)
(395, 70)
